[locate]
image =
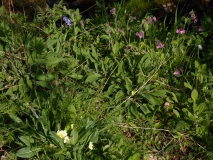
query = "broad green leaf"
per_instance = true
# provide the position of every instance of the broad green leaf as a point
(128, 84)
(194, 95)
(27, 140)
(92, 78)
(145, 109)
(170, 147)
(159, 93)
(44, 77)
(27, 152)
(176, 113)
(76, 76)
(15, 118)
(119, 95)
(104, 37)
(187, 85)
(115, 48)
(94, 137)
(201, 107)
(136, 156)
(53, 137)
(74, 136)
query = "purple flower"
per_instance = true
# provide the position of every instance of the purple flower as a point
(112, 11)
(140, 34)
(176, 72)
(159, 44)
(119, 30)
(149, 20)
(132, 18)
(180, 31)
(199, 29)
(66, 20)
(193, 16)
(128, 47)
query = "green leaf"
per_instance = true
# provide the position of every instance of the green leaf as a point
(74, 136)
(170, 147)
(136, 156)
(104, 37)
(27, 140)
(128, 84)
(53, 137)
(119, 95)
(194, 95)
(76, 76)
(92, 78)
(94, 137)
(159, 93)
(187, 85)
(15, 118)
(201, 107)
(27, 152)
(145, 109)
(176, 113)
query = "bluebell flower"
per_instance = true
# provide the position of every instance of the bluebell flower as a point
(66, 20)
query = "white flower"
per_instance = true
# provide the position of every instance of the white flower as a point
(62, 133)
(91, 145)
(66, 139)
(200, 47)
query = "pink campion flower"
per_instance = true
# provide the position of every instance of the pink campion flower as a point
(112, 11)
(180, 31)
(149, 20)
(176, 72)
(140, 34)
(193, 16)
(154, 19)
(199, 29)
(119, 30)
(132, 18)
(159, 44)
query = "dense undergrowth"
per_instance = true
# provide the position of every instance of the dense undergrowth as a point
(112, 87)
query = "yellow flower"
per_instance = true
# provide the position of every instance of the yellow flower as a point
(72, 126)
(91, 145)
(133, 92)
(66, 139)
(62, 133)
(52, 146)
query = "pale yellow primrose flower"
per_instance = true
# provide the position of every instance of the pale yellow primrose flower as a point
(62, 133)
(66, 139)
(133, 92)
(91, 145)
(72, 126)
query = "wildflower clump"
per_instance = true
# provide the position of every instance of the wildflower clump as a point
(63, 134)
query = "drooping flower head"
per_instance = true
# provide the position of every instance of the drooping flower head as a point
(193, 16)
(113, 11)
(140, 34)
